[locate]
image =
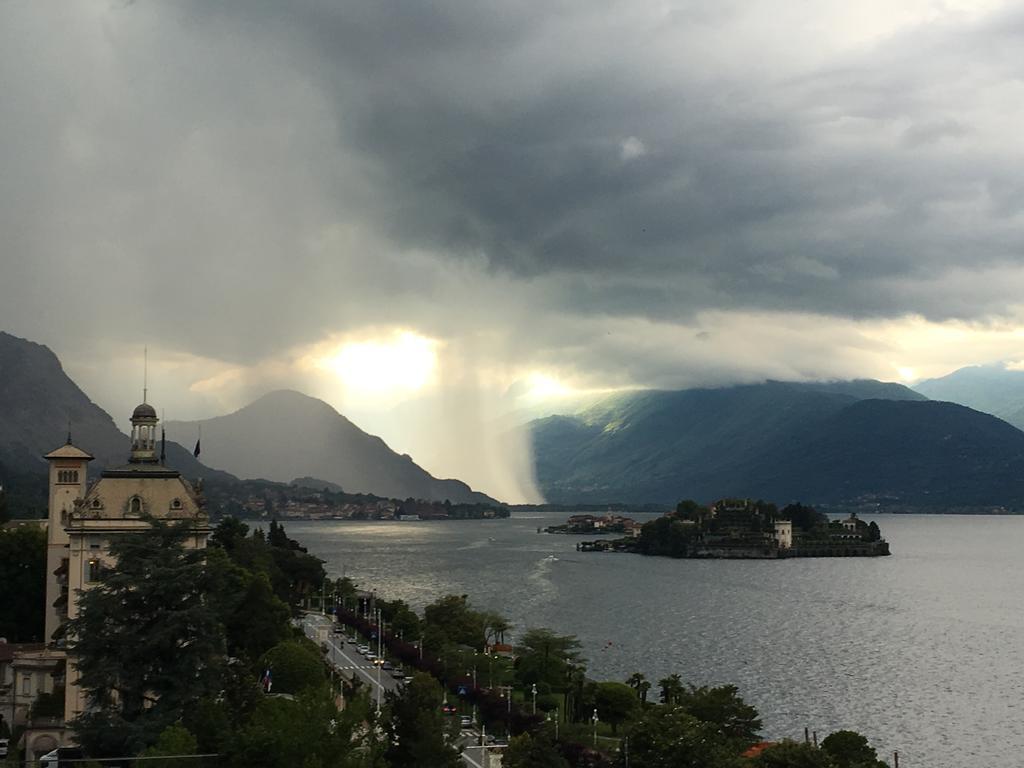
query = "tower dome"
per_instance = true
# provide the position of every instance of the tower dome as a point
(144, 435)
(144, 411)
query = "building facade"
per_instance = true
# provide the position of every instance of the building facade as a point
(86, 518)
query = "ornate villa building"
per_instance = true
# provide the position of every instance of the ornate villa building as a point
(84, 519)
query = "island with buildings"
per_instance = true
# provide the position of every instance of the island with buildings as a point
(596, 524)
(746, 529)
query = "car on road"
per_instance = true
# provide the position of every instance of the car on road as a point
(58, 758)
(398, 673)
(385, 664)
(370, 656)
(363, 649)
(466, 721)
(3, 747)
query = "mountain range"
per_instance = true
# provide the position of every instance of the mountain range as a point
(835, 443)
(281, 436)
(40, 405)
(286, 434)
(853, 442)
(993, 388)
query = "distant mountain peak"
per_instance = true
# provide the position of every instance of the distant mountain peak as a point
(286, 434)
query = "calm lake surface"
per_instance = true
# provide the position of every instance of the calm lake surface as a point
(920, 651)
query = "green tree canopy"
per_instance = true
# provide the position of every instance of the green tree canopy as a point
(850, 749)
(672, 689)
(23, 576)
(304, 732)
(173, 740)
(147, 644)
(417, 732)
(544, 657)
(639, 683)
(668, 737)
(453, 621)
(294, 667)
(616, 703)
(228, 533)
(532, 752)
(254, 618)
(805, 518)
(723, 707)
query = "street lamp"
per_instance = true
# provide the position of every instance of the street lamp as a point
(533, 690)
(594, 718)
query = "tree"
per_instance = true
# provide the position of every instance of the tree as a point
(723, 707)
(616, 703)
(850, 749)
(417, 730)
(639, 683)
(527, 751)
(308, 731)
(544, 657)
(173, 740)
(145, 643)
(254, 618)
(401, 619)
(294, 667)
(495, 627)
(804, 518)
(453, 620)
(672, 689)
(791, 754)
(228, 533)
(669, 737)
(23, 576)
(874, 533)
(689, 509)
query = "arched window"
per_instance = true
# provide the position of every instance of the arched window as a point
(135, 505)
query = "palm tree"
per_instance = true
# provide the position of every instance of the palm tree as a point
(672, 689)
(639, 683)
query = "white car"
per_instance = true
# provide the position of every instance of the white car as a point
(363, 649)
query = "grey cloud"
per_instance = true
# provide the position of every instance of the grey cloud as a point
(237, 178)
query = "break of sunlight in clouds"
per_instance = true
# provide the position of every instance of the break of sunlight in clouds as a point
(387, 368)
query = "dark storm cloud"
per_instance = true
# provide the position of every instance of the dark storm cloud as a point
(237, 178)
(839, 187)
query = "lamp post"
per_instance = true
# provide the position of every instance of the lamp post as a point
(558, 714)
(380, 649)
(594, 718)
(533, 690)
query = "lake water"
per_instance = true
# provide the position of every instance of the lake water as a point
(920, 651)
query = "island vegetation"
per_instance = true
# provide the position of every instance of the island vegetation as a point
(744, 528)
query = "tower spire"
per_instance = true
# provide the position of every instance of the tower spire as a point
(145, 373)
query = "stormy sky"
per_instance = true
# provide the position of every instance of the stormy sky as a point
(434, 213)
